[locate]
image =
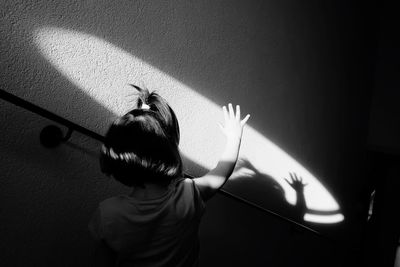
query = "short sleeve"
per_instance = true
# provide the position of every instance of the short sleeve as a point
(95, 225)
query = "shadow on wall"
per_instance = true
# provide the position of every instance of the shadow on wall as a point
(104, 72)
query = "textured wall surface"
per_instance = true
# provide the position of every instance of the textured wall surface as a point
(298, 69)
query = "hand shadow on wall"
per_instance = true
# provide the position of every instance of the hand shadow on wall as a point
(263, 190)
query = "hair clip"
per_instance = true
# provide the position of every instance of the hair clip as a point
(145, 106)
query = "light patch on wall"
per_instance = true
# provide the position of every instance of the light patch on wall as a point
(103, 71)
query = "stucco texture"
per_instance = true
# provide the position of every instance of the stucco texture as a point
(295, 67)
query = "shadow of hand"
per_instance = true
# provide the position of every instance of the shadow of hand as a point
(296, 182)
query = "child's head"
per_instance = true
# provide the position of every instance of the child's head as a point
(142, 146)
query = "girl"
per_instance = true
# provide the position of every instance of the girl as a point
(157, 224)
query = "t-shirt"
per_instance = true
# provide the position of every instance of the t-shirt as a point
(156, 232)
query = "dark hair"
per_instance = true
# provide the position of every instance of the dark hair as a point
(142, 145)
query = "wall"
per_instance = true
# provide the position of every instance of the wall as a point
(384, 124)
(300, 70)
(384, 129)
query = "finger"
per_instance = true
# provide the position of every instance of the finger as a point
(231, 112)
(291, 176)
(243, 122)
(225, 111)
(286, 180)
(238, 112)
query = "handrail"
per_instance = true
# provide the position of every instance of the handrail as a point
(49, 115)
(75, 127)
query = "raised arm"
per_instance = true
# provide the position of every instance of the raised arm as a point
(210, 183)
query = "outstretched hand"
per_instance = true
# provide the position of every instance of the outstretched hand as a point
(296, 182)
(233, 127)
(212, 181)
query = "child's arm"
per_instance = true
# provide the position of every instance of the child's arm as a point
(210, 183)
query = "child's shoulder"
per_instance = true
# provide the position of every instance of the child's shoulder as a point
(112, 200)
(184, 182)
(112, 204)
